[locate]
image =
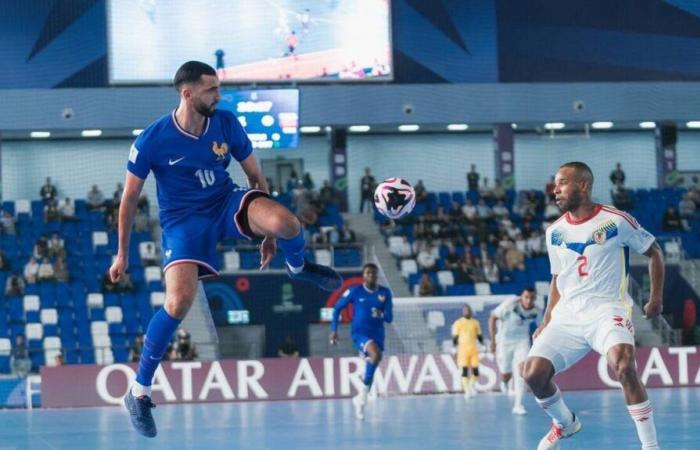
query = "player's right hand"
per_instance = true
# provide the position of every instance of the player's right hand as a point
(538, 331)
(119, 266)
(334, 338)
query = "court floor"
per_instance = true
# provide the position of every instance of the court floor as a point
(436, 422)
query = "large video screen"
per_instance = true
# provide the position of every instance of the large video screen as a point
(270, 116)
(250, 40)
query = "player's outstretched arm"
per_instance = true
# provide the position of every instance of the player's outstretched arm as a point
(492, 332)
(337, 309)
(553, 300)
(127, 212)
(656, 274)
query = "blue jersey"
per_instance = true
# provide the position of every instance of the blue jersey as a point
(190, 170)
(372, 309)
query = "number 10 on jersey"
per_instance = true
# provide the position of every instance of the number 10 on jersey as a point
(206, 177)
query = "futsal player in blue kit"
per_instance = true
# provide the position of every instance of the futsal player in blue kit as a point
(372, 308)
(188, 152)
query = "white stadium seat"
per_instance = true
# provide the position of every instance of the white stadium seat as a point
(232, 261)
(52, 343)
(95, 300)
(98, 328)
(99, 238)
(482, 289)
(436, 319)
(408, 266)
(113, 314)
(445, 278)
(323, 257)
(5, 346)
(34, 331)
(153, 273)
(49, 316)
(31, 303)
(157, 298)
(23, 207)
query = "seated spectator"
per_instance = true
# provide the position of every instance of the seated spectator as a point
(551, 211)
(499, 210)
(111, 220)
(456, 215)
(686, 207)
(136, 349)
(483, 210)
(60, 269)
(498, 191)
(46, 272)
(671, 220)
(469, 210)
(535, 244)
(426, 259)
(694, 191)
(347, 236)
(617, 176)
(8, 224)
(476, 272)
(107, 285)
(144, 206)
(5, 265)
(20, 363)
(328, 194)
(56, 246)
(31, 270)
(51, 212)
(491, 271)
(48, 191)
(14, 286)
(41, 247)
(521, 243)
(425, 287)
(67, 211)
(485, 191)
(621, 198)
(514, 258)
(452, 259)
(95, 199)
(185, 350)
(421, 192)
(288, 349)
(117, 195)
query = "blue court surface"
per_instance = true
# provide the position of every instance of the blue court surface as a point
(426, 422)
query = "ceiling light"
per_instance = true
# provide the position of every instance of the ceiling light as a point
(91, 133)
(310, 129)
(554, 126)
(40, 134)
(602, 125)
(457, 126)
(408, 128)
(359, 128)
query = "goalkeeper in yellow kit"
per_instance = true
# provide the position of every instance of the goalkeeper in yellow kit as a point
(466, 331)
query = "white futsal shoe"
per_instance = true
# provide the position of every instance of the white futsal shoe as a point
(557, 433)
(519, 410)
(359, 402)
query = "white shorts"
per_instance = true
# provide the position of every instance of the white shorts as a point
(570, 335)
(510, 354)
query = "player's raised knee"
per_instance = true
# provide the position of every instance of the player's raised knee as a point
(535, 373)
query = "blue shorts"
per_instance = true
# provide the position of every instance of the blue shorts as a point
(193, 238)
(361, 341)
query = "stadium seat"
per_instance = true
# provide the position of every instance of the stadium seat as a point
(436, 319)
(34, 331)
(445, 278)
(5, 348)
(95, 300)
(157, 299)
(542, 288)
(408, 267)
(113, 314)
(446, 345)
(323, 257)
(31, 303)
(99, 238)
(232, 261)
(152, 273)
(98, 328)
(482, 289)
(49, 316)
(23, 207)
(672, 251)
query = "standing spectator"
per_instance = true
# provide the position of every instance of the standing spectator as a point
(67, 210)
(144, 206)
(31, 270)
(473, 179)
(51, 212)
(14, 286)
(421, 192)
(19, 358)
(56, 246)
(60, 270)
(45, 272)
(671, 220)
(327, 194)
(185, 350)
(4, 262)
(426, 287)
(367, 185)
(7, 224)
(288, 349)
(95, 198)
(617, 176)
(308, 182)
(347, 236)
(136, 349)
(48, 191)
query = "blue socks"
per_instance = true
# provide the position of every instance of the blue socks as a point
(158, 335)
(369, 374)
(293, 250)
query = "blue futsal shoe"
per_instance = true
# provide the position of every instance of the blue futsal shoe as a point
(140, 412)
(322, 276)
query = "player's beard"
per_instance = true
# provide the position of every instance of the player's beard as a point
(572, 203)
(203, 109)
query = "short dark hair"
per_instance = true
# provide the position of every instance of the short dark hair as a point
(191, 72)
(370, 266)
(580, 167)
(529, 289)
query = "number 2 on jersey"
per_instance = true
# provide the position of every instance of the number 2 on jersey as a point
(206, 177)
(583, 264)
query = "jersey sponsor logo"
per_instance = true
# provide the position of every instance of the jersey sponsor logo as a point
(133, 154)
(173, 162)
(219, 150)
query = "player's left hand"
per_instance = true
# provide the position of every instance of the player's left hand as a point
(268, 248)
(653, 308)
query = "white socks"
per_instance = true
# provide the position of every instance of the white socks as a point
(643, 417)
(138, 389)
(557, 409)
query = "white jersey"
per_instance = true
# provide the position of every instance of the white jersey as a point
(591, 257)
(514, 321)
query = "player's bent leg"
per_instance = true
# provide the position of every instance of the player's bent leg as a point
(181, 288)
(374, 357)
(621, 361)
(268, 218)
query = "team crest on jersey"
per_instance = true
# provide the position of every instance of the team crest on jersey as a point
(219, 150)
(381, 297)
(605, 231)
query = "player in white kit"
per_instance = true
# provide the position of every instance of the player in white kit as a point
(589, 307)
(510, 340)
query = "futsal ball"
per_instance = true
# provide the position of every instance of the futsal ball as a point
(394, 198)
